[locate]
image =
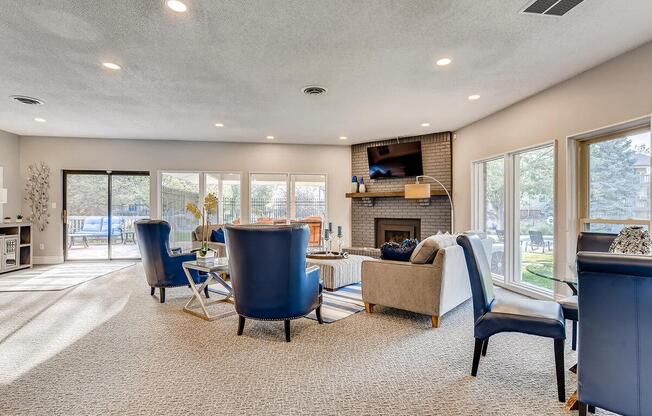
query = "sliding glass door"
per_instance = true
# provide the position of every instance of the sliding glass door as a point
(514, 205)
(100, 209)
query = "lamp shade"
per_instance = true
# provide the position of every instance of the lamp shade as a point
(417, 191)
(3, 196)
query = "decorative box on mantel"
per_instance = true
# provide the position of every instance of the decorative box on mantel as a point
(385, 198)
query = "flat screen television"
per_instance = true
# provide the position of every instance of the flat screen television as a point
(395, 160)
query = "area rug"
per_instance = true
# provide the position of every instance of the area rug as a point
(57, 277)
(337, 305)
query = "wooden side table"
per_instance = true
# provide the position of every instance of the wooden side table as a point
(213, 270)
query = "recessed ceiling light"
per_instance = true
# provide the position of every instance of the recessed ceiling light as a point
(176, 5)
(425, 124)
(444, 61)
(219, 125)
(40, 120)
(343, 137)
(111, 65)
(270, 137)
(474, 97)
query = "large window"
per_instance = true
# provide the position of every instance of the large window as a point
(615, 181)
(279, 197)
(514, 205)
(179, 188)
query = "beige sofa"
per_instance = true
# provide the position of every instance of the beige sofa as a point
(220, 248)
(430, 289)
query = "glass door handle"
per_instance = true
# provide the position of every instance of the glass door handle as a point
(65, 216)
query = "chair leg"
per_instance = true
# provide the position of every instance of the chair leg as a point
(485, 344)
(476, 356)
(591, 408)
(574, 340)
(287, 330)
(369, 307)
(162, 294)
(559, 365)
(241, 322)
(318, 313)
(582, 407)
(206, 292)
(152, 290)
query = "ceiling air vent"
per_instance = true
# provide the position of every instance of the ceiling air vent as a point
(550, 7)
(26, 100)
(314, 90)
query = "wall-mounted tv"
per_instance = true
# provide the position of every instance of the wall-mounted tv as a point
(395, 160)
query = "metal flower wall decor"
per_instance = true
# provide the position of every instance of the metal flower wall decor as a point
(37, 193)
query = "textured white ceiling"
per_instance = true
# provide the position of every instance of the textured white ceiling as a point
(243, 63)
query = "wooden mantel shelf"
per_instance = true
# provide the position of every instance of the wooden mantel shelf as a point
(399, 194)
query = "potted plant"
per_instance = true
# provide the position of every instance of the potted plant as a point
(205, 254)
(19, 218)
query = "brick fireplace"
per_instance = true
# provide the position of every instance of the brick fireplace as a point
(371, 215)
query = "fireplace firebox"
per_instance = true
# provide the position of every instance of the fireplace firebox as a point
(396, 229)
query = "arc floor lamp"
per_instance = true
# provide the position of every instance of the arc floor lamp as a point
(422, 191)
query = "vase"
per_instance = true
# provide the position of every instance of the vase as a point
(207, 258)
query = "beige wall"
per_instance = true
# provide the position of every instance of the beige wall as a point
(9, 161)
(614, 92)
(155, 155)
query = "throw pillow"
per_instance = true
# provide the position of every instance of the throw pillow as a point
(217, 236)
(399, 252)
(631, 240)
(427, 249)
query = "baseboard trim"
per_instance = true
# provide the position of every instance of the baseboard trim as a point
(47, 259)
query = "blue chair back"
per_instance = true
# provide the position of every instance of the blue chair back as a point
(268, 271)
(593, 241)
(615, 332)
(482, 287)
(162, 268)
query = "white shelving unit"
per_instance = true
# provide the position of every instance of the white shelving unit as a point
(15, 246)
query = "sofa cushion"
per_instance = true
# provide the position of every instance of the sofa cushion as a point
(399, 252)
(217, 236)
(426, 251)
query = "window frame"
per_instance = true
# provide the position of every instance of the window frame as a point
(583, 218)
(290, 204)
(512, 280)
(202, 187)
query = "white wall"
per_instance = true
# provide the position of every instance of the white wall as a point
(614, 92)
(10, 162)
(155, 155)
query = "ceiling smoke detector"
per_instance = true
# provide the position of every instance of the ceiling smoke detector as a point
(314, 90)
(26, 100)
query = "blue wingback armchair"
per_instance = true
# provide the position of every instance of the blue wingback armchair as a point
(163, 268)
(615, 329)
(494, 314)
(268, 273)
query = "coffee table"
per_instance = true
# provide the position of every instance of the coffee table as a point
(213, 270)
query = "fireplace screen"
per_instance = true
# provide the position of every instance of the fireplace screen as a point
(396, 229)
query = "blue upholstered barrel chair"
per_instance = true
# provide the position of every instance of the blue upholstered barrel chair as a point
(269, 276)
(494, 314)
(163, 266)
(614, 368)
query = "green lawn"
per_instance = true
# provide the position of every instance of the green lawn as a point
(527, 277)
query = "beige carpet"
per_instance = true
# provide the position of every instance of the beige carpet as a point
(107, 347)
